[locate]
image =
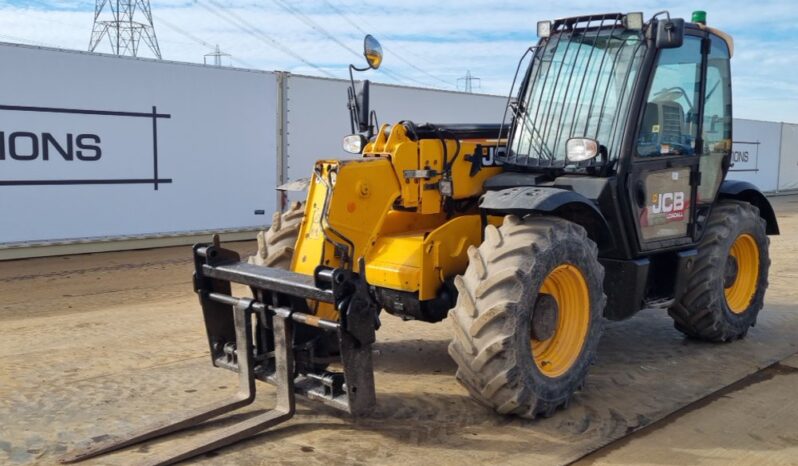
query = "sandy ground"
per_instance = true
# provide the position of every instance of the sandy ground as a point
(751, 421)
(99, 343)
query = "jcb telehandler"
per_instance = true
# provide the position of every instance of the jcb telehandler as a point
(603, 193)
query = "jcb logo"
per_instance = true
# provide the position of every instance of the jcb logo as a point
(667, 202)
(488, 154)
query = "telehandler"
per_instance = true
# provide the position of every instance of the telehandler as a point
(601, 193)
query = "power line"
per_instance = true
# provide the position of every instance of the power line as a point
(315, 26)
(198, 40)
(392, 52)
(320, 29)
(183, 32)
(22, 40)
(239, 22)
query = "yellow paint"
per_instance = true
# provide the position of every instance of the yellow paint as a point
(742, 291)
(395, 262)
(428, 154)
(349, 214)
(555, 356)
(444, 252)
(420, 261)
(431, 158)
(310, 247)
(397, 223)
(465, 185)
(361, 223)
(310, 243)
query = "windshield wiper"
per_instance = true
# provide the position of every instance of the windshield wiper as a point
(544, 148)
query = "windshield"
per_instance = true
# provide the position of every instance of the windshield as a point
(579, 86)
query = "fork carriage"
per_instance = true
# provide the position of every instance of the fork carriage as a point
(269, 352)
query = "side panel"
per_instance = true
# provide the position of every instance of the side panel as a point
(666, 212)
(420, 261)
(347, 204)
(83, 156)
(445, 252)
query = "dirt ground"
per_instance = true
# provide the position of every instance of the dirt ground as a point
(99, 343)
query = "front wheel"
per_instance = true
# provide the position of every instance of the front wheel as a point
(726, 288)
(528, 316)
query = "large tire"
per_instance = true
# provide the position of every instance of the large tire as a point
(276, 245)
(492, 342)
(717, 303)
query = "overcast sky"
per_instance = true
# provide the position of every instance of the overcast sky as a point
(427, 43)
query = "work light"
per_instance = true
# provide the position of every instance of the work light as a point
(633, 21)
(544, 29)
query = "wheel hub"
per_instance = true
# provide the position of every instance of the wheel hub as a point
(730, 271)
(741, 275)
(544, 317)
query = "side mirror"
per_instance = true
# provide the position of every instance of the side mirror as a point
(670, 33)
(372, 50)
(359, 113)
(581, 149)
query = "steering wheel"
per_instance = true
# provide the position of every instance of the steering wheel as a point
(678, 148)
(673, 93)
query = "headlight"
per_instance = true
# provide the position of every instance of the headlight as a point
(354, 143)
(581, 149)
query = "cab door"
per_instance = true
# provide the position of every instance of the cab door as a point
(663, 174)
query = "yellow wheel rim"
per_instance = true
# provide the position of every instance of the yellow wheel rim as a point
(555, 355)
(740, 293)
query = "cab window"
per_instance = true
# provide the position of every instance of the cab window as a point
(670, 123)
(716, 132)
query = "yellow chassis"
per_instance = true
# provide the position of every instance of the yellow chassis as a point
(387, 208)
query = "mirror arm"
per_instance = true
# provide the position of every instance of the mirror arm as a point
(364, 105)
(659, 13)
(373, 124)
(359, 110)
(352, 105)
(354, 109)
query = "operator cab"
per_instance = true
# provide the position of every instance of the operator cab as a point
(644, 106)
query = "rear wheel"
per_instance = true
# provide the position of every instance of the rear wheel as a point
(726, 289)
(528, 316)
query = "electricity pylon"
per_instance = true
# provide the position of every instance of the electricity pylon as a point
(124, 23)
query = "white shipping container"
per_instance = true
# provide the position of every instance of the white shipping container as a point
(317, 117)
(102, 146)
(788, 168)
(755, 153)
